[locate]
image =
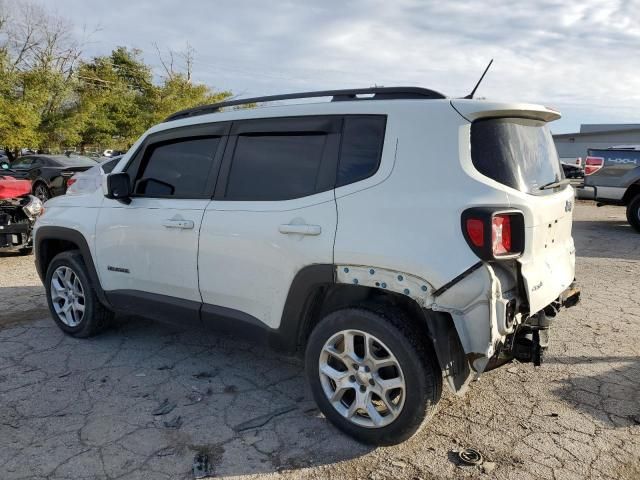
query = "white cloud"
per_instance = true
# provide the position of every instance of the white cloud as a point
(581, 57)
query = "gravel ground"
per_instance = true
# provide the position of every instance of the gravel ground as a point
(143, 399)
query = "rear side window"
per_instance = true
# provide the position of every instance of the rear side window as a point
(362, 139)
(276, 166)
(177, 169)
(516, 152)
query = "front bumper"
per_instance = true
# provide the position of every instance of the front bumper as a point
(15, 236)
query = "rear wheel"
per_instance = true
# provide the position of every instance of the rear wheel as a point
(372, 375)
(71, 297)
(633, 212)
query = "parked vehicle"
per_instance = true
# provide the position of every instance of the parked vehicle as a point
(48, 173)
(394, 240)
(91, 180)
(18, 211)
(572, 170)
(612, 177)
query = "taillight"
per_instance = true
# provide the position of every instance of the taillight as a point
(592, 165)
(501, 235)
(494, 233)
(71, 181)
(475, 230)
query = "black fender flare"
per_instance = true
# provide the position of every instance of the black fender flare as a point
(299, 305)
(43, 254)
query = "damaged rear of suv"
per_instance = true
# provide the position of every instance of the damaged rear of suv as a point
(394, 237)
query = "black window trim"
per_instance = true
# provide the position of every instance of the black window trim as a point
(228, 131)
(190, 132)
(331, 125)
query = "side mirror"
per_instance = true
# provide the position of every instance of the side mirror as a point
(118, 187)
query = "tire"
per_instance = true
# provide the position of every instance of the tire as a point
(633, 213)
(41, 191)
(71, 321)
(390, 331)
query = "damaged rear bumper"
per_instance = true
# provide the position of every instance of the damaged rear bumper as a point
(531, 338)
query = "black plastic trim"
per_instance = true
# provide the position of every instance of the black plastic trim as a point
(287, 338)
(157, 307)
(457, 279)
(486, 214)
(378, 93)
(48, 233)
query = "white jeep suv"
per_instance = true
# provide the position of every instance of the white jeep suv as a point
(394, 237)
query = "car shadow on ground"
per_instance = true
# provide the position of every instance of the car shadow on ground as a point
(158, 398)
(607, 388)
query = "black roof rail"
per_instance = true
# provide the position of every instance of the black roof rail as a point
(378, 93)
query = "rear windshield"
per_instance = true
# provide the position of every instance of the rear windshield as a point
(516, 152)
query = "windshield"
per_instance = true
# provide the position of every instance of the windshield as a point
(516, 152)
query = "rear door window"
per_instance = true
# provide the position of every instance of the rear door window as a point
(516, 152)
(276, 166)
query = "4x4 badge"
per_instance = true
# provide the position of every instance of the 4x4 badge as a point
(568, 206)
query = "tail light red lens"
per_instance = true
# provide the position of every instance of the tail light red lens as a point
(493, 233)
(475, 230)
(592, 165)
(70, 181)
(501, 235)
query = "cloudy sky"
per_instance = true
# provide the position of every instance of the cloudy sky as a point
(581, 57)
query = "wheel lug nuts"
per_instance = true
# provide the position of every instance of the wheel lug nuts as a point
(363, 388)
(371, 382)
(352, 378)
(367, 369)
(355, 366)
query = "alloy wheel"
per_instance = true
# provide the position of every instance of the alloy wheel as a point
(67, 296)
(362, 379)
(42, 193)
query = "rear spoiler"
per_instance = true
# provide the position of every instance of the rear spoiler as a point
(475, 109)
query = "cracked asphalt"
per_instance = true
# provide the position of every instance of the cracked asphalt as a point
(143, 400)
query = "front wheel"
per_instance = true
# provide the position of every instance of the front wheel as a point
(372, 375)
(72, 300)
(633, 212)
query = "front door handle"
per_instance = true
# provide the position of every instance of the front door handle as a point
(184, 224)
(300, 229)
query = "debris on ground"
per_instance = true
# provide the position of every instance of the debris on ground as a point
(470, 456)
(205, 375)
(230, 389)
(262, 420)
(175, 422)
(165, 407)
(201, 466)
(166, 452)
(193, 397)
(488, 467)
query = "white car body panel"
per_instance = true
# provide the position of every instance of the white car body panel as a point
(246, 263)
(159, 259)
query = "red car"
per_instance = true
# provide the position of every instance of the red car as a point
(18, 212)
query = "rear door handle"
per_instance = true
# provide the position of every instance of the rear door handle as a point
(300, 229)
(184, 224)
